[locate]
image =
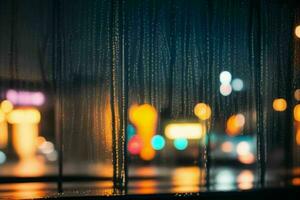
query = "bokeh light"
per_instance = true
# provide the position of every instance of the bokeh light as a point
(296, 181)
(247, 158)
(27, 98)
(227, 147)
(225, 77)
(185, 130)
(147, 154)
(144, 118)
(130, 131)
(297, 94)
(27, 115)
(2, 116)
(243, 148)
(235, 124)
(244, 153)
(40, 140)
(135, 145)
(202, 111)
(3, 131)
(279, 104)
(237, 84)
(225, 89)
(158, 142)
(181, 143)
(224, 180)
(6, 106)
(245, 180)
(52, 156)
(46, 147)
(2, 157)
(297, 31)
(297, 112)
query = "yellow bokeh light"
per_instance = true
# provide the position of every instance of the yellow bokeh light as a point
(3, 133)
(297, 31)
(185, 130)
(25, 140)
(279, 104)
(147, 153)
(297, 112)
(143, 114)
(202, 111)
(6, 106)
(2, 116)
(235, 124)
(19, 116)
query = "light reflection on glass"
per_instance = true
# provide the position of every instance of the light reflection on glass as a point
(224, 180)
(30, 167)
(146, 187)
(245, 180)
(26, 190)
(186, 179)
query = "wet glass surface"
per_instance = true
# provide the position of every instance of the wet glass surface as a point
(148, 97)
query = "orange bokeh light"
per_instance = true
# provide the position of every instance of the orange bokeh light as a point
(227, 147)
(279, 104)
(297, 112)
(235, 124)
(147, 153)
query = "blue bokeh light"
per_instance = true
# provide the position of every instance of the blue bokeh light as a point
(158, 142)
(237, 84)
(130, 131)
(181, 143)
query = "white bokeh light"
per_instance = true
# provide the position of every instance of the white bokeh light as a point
(237, 84)
(225, 77)
(225, 89)
(2, 157)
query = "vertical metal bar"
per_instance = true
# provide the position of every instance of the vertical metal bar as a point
(124, 96)
(259, 80)
(57, 61)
